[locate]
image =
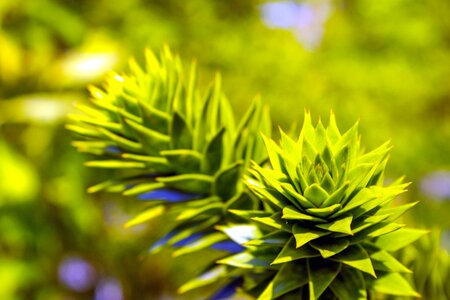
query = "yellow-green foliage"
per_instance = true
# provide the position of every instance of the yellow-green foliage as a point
(330, 226)
(177, 148)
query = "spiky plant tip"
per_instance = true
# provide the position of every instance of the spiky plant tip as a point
(171, 145)
(328, 218)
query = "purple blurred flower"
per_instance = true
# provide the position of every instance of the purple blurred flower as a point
(306, 20)
(76, 274)
(436, 185)
(109, 289)
(280, 14)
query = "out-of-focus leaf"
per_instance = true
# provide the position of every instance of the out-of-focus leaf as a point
(393, 284)
(146, 216)
(399, 238)
(168, 195)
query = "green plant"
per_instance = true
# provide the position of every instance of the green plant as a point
(175, 148)
(327, 221)
(430, 264)
(320, 222)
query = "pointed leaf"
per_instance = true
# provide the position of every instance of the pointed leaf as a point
(320, 276)
(226, 181)
(145, 216)
(111, 126)
(277, 238)
(332, 130)
(398, 239)
(154, 118)
(101, 186)
(288, 278)
(304, 235)
(83, 131)
(190, 183)
(206, 278)
(269, 195)
(341, 225)
(308, 129)
(123, 143)
(336, 196)
(349, 284)
(328, 184)
(143, 188)
(360, 173)
(290, 147)
(183, 232)
(330, 247)
(291, 213)
(153, 162)
(213, 153)
(180, 133)
(249, 214)
(383, 261)
(115, 164)
(291, 253)
(365, 195)
(241, 201)
(182, 160)
(274, 153)
(215, 207)
(303, 181)
(247, 118)
(297, 199)
(364, 223)
(316, 194)
(320, 136)
(323, 212)
(393, 284)
(152, 141)
(355, 256)
(274, 221)
(382, 228)
(189, 240)
(200, 244)
(248, 260)
(397, 211)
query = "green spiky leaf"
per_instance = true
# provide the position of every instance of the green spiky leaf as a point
(320, 276)
(326, 200)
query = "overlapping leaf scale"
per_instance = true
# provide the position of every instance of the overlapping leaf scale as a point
(180, 151)
(329, 217)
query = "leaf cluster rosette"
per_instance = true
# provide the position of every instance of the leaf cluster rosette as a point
(328, 226)
(178, 149)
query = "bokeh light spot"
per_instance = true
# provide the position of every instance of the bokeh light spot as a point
(76, 274)
(109, 289)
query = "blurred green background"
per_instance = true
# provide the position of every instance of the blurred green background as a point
(385, 63)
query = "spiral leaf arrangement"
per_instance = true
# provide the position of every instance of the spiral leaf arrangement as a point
(328, 224)
(312, 221)
(179, 150)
